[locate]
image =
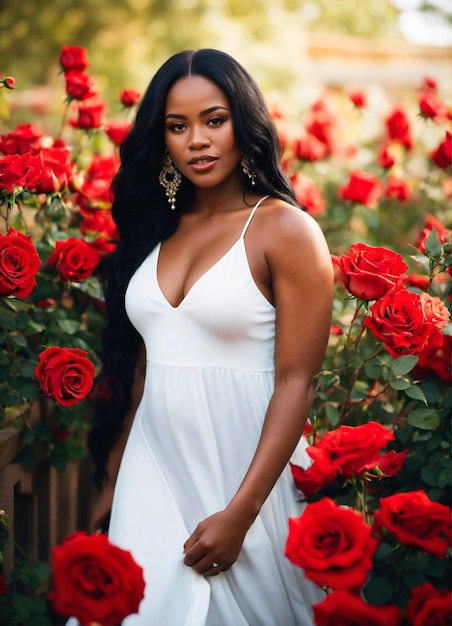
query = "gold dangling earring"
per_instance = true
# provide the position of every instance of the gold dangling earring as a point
(170, 179)
(247, 169)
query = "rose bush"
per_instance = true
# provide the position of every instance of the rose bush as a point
(380, 430)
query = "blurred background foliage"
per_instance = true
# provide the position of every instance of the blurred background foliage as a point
(128, 39)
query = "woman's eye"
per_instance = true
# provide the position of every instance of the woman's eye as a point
(176, 127)
(216, 121)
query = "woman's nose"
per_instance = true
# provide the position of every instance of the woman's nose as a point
(198, 138)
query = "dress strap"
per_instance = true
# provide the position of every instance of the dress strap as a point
(256, 206)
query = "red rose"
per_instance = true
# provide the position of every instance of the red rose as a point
(310, 480)
(432, 222)
(73, 58)
(429, 84)
(2, 586)
(90, 114)
(103, 166)
(442, 155)
(352, 450)
(117, 130)
(99, 222)
(79, 86)
(94, 580)
(421, 281)
(385, 157)
(358, 98)
(46, 303)
(17, 171)
(95, 194)
(103, 245)
(397, 188)
(65, 374)
(397, 320)
(435, 311)
(436, 357)
(309, 148)
(417, 521)
(361, 187)
(19, 263)
(369, 272)
(332, 544)
(55, 170)
(391, 462)
(8, 82)
(398, 127)
(429, 607)
(430, 106)
(322, 123)
(129, 97)
(74, 259)
(24, 138)
(307, 194)
(343, 607)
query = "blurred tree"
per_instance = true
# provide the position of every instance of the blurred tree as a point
(124, 35)
(348, 17)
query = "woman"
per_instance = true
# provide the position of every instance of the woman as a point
(229, 285)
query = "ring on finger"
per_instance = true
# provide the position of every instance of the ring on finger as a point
(214, 564)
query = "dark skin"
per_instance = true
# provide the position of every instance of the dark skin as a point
(290, 264)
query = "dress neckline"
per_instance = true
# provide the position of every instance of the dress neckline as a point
(213, 266)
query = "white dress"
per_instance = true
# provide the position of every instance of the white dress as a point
(209, 379)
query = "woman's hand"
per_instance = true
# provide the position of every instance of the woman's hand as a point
(216, 542)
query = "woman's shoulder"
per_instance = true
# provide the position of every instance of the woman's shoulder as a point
(282, 222)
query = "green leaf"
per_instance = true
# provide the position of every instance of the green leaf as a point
(378, 591)
(403, 364)
(7, 321)
(7, 398)
(34, 327)
(403, 435)
(373, 369)
(444, 480)
(433, 245)
(430, 475)
(76, 449)
(27, 369)
(332, 414)
(416, 393)
(424, 419)
(400, 383)
(21, 604)
(19, 341)
(69, 326)
(41, 570)
(27, 391)
(384, 552)
(413, 578)
(22, 320)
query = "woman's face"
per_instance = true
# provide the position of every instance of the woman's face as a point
(199, 133)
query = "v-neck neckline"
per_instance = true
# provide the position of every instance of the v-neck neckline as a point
(198, 280)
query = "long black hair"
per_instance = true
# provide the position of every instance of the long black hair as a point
(142, 215)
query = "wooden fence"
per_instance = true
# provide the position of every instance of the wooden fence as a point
(44, 505)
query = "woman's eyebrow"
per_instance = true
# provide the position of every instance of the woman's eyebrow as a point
(205, 112)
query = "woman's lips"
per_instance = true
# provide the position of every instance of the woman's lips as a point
(202, 164)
